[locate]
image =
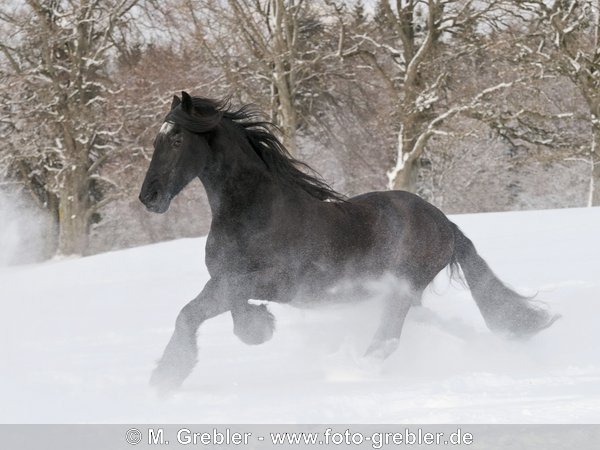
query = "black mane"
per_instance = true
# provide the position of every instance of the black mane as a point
(207, 114)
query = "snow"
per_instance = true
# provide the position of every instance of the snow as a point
(79, 338)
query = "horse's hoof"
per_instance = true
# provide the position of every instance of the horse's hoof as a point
(382, 349)
(167, 379)
(164, 385)
(255, 326)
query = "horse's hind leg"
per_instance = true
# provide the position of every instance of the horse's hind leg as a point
(387, 336)
(253, 324)
(181, 352)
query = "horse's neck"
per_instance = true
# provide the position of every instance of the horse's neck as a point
(235, 181)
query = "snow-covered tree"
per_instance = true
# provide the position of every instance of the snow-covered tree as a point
(413, 46)
(565, 37)
(58, 132)
(278, 54)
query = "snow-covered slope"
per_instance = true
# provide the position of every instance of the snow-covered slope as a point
(79, 338)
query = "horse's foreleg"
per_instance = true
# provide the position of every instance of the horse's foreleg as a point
(387, 336)
(180, 355)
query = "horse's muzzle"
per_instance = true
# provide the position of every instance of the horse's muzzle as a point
(153, 200)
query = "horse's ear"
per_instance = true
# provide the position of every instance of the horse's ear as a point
(176, 101)
(186, 102)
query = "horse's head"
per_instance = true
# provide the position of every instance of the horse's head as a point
(180, 153)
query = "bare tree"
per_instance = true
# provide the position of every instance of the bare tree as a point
(413, 48)
(566, 43)
(280, 55)
(58, 54)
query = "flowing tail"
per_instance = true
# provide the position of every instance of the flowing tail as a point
(502, 308)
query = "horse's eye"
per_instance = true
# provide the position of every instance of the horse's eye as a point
(176, 139)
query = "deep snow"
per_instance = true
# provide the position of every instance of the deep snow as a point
(79, 338)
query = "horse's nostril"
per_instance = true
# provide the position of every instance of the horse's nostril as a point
(148, 197)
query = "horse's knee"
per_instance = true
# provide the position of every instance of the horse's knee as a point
(197, 311)
(186, 319)
(253, 324)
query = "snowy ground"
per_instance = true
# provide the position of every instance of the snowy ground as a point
(79, 338)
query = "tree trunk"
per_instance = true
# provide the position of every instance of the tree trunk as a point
(594, 190)
(51, 239)
(406, 178)
(73, 221)
(288, 125)
(284, 72)
(284, 108)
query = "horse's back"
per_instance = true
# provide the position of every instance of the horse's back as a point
(417, 237)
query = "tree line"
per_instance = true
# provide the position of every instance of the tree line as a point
(475, 105)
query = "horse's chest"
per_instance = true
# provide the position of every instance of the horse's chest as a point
(240, 253)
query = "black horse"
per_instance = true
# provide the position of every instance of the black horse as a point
(280, 234)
